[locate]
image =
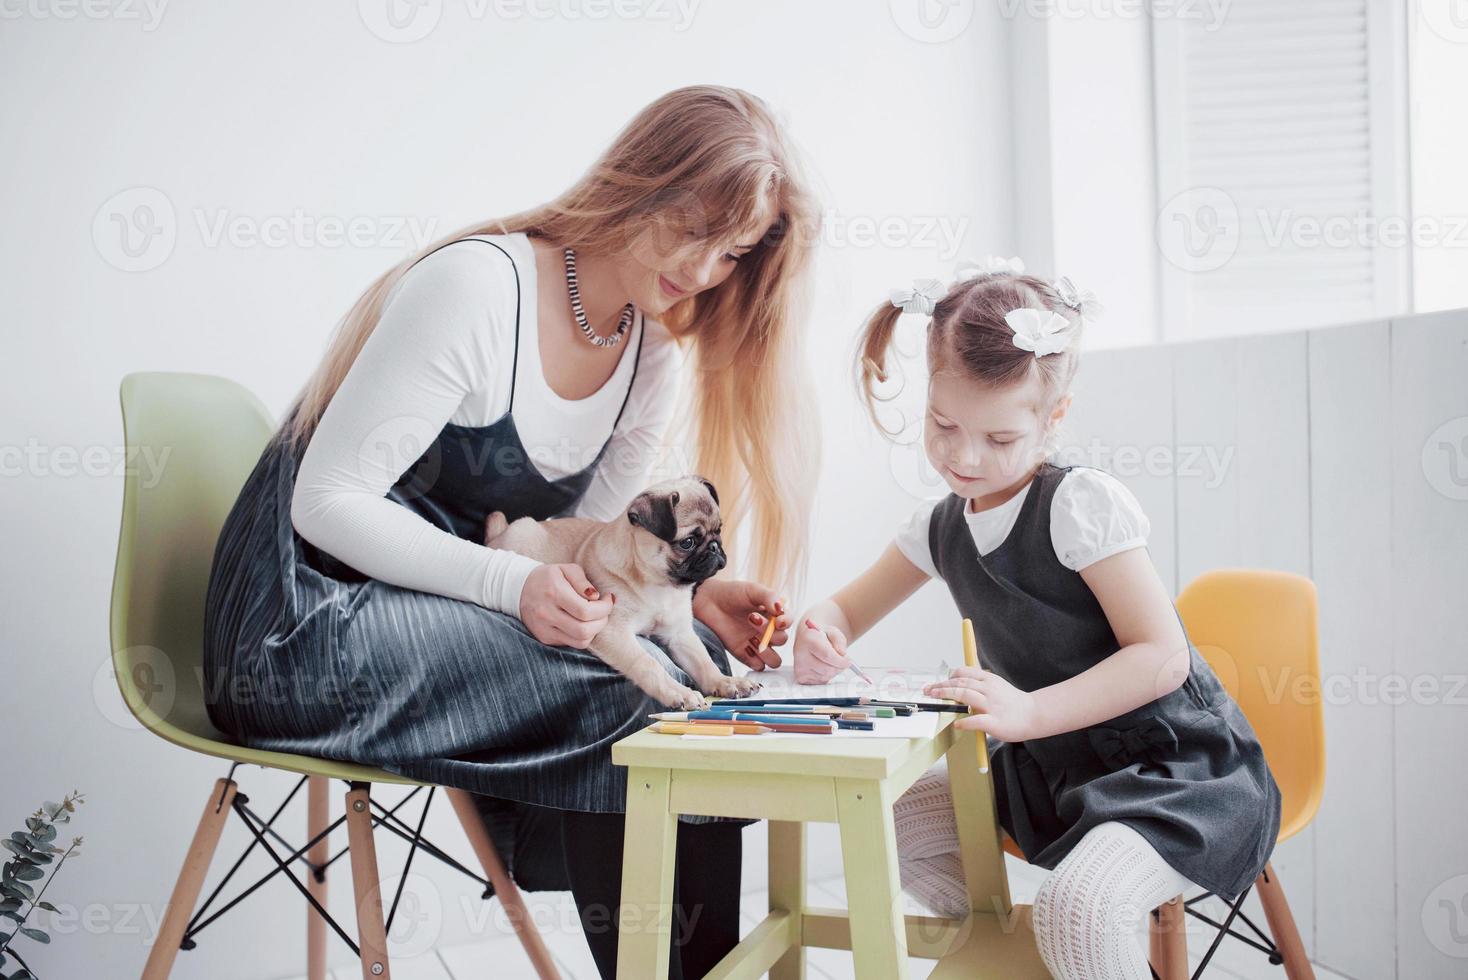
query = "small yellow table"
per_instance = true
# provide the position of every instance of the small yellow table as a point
(848, 781)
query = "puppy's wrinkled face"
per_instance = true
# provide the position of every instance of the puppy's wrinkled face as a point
(682, 524)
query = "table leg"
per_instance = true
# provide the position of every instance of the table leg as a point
(644, 921)
(873, 889)
(981, 850)
(787, 889)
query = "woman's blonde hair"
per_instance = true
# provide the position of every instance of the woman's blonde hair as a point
(700, 163)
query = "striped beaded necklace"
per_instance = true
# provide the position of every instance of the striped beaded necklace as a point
(580, 314)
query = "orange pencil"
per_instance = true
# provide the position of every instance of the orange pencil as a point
(764, 640)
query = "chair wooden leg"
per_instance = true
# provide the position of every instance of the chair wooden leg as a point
(509, 892)
(1168, 939)
(318, 815)
(190, 880)
(1282, 925)
(366, 885)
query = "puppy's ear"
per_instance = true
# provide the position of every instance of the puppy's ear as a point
(655, 513)
(712, 492)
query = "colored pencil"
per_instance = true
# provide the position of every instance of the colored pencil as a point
(764, 640)
(688, 728)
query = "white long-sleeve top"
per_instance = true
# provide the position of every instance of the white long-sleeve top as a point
(1092, 516)
(442, 352)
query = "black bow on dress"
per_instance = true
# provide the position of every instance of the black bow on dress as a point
(1120, 747)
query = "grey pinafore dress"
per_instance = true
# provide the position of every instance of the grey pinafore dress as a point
(1185, 770)
(305, 654)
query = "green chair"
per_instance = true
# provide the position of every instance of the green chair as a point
(206, 434)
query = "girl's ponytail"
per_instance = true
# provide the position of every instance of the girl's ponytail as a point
(871, 358)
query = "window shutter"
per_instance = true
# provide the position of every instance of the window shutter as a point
(1281, 151)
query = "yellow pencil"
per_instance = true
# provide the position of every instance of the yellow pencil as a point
(688, 728)
(971, 659)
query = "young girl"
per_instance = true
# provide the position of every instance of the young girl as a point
(1119, 760)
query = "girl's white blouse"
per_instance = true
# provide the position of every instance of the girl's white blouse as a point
(1092, 516)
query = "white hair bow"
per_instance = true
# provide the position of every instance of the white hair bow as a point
(1083, 301)
(1041, 331)
(922, 298)
(989, 265)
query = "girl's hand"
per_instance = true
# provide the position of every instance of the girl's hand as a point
(820, 653)
(738, 611)
(1000, 709)
(560, 607)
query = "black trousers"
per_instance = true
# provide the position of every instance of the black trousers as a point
(706, 884)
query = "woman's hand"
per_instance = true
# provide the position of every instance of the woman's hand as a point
(560, 607)
(1000, 709)
(738, 611)
(820, 653)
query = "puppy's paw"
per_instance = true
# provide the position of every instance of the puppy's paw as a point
(681, 698)
(734, 687)
(494, 526)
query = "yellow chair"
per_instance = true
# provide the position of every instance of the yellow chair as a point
(1254, 628)
(205, 435)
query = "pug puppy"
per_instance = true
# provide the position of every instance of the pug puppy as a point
(650, 559)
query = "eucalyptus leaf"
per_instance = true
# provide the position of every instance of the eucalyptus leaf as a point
(30, 873)
(39, 935)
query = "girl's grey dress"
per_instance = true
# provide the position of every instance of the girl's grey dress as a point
(1185, 770)
(304, 654)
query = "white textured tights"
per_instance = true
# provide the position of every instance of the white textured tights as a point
(1090, 911)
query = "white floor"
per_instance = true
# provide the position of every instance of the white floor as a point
(503, 957)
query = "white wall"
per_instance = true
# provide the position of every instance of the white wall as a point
(1340, 454)
(250, 113)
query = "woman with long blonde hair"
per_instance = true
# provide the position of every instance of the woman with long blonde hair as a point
(532, 365)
